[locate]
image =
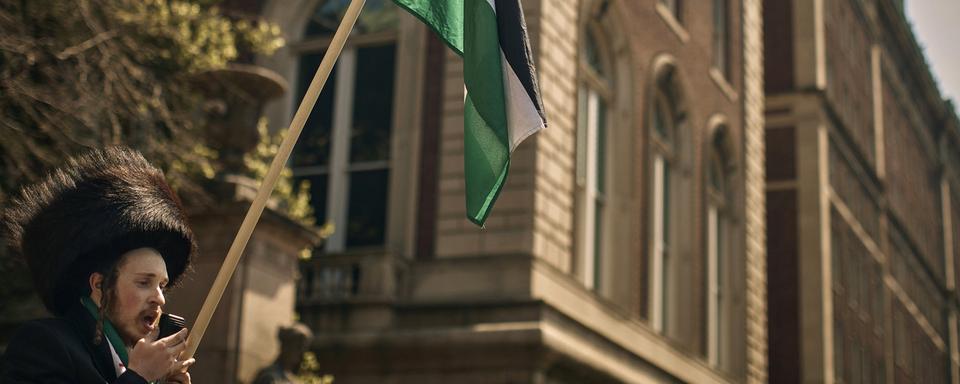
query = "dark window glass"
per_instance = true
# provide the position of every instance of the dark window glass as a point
(313, 148)
(373, 104)
(601, 147)
(367, 214)
(318, 195)
(592, 54)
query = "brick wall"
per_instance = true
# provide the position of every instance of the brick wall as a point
(913, 191)
(557, 61)
(508, 229)
(849, 86)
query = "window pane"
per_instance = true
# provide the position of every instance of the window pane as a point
(377, 16)
(592, 55)
(582, 118)
(373, 104)
(666, 205)
(661, 118)
(313, 147)
(597, 245)
(721, 245)
(716, 176)
(318, 196)
(367, 214)
(665, 290)
(720, 35)
(716, 170)
(601, 146)
(665, 229)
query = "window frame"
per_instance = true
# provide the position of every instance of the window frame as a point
(720, 38)
(719, 229)
(594, 93)
(664, 161)
(402, 204)
(340, 168)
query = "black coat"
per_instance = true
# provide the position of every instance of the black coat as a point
(61, 350)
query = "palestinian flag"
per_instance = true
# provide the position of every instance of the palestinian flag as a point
(502, 104)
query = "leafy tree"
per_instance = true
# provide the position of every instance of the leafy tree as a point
(85, 73)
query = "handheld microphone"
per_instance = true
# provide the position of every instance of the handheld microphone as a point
(170, 324)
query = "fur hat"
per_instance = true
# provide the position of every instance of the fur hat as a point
(83, 216)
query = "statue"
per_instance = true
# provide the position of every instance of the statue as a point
(294, 341)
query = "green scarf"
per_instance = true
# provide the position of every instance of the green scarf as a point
(108, 330)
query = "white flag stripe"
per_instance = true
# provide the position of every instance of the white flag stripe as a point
(492, 6)
(523, 119)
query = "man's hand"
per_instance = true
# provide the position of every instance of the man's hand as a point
(179, 374)
(153, 360)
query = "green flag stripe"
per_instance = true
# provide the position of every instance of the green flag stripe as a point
(486, 162)
(444, 17)
(486, 141)
(498, 98)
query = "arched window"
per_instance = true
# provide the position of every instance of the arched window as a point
(667, 185)
(592, 158)
(344, 150)
(718, 260)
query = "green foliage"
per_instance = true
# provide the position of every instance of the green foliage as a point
(203, 165)
(192, 37)
(310, 371)
(294, 200)
(87, 73)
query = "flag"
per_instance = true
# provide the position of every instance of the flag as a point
(502, 105)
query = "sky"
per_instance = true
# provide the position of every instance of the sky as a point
(935, 26)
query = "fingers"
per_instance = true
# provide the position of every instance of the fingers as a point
(179, 373)
(175, 339)
(180, 378)
(183, 366)
(152, 336)
(176, 350)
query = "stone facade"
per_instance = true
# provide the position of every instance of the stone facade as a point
(840, 176)
(522, 300)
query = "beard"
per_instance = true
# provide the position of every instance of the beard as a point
(133, 327)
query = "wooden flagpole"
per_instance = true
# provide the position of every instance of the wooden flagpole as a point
(270, 181)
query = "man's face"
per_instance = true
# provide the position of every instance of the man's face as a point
(141, 280)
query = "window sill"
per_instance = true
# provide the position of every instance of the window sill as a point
(722, 83)
(673, 23)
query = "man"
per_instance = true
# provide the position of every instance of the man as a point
(104, 237)
(294, 341)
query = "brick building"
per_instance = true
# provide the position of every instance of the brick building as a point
(729, 191)
(862, 214)
(690, 142)
(621, 249)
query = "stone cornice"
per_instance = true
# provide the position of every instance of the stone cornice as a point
(906, 44)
